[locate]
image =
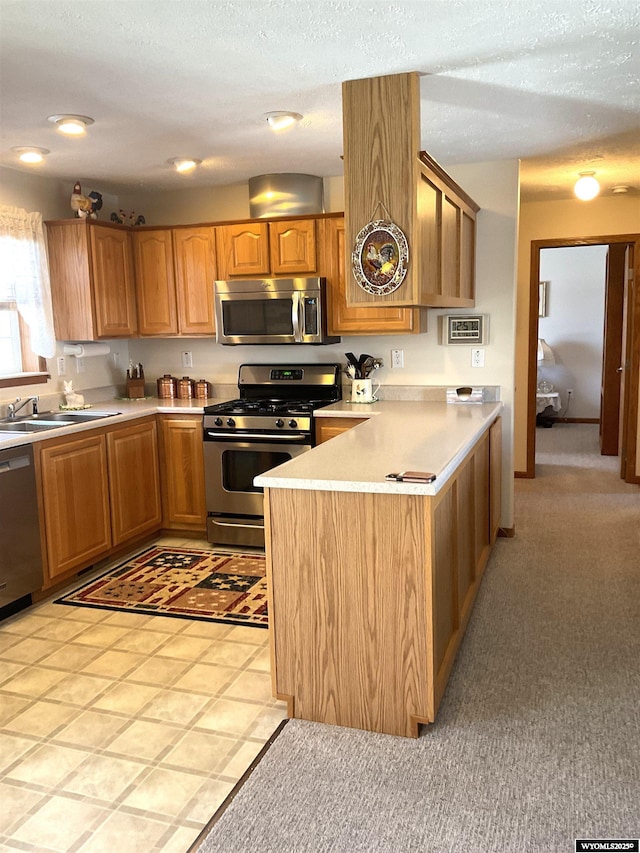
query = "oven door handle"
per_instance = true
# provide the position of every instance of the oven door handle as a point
(288, 437)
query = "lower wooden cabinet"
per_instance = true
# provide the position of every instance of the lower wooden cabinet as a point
(182, 473)
(327, 428)
(99, 490)
(134, 486)
(75, 491)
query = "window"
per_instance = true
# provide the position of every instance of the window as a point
(26, 318)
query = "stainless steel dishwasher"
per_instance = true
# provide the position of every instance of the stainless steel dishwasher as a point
(20, 551)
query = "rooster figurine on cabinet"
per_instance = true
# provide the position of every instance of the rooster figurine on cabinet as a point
(85, 206)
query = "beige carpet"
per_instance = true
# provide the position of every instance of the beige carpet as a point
(537, 741)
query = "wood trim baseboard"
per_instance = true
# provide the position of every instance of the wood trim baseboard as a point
(523, 475)
(506, 532)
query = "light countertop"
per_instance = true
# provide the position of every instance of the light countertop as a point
(398, 436)
(126, 410)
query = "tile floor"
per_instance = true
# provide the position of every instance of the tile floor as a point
(122, 732)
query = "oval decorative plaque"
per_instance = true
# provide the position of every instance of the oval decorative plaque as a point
(380, 257)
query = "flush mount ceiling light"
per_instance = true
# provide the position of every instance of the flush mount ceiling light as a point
(621, 188)
(282, 119)
(586, 186)
(184, 164)
(72, 125)
(31, 154)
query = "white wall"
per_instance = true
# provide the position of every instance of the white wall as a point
(574, 324)
(209, 204)
(570, 219)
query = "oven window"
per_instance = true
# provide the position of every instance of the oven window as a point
(258, 317)
(239, 467)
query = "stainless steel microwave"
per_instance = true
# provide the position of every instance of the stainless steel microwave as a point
(271, 311)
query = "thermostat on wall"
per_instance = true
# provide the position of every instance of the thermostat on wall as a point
(465, 329)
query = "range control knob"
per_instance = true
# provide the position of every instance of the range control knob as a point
(218, 422)
(280, 423)
(293, 424)
(231, 422)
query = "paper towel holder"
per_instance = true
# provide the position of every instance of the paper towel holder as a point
(86, 350)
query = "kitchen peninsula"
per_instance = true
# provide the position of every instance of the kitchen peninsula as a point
(372, 582)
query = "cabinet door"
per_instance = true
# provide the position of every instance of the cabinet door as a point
(113, 287)
(133, 480)
(155, 285)
(76, 503)
(195, 264)
(447, 241)
(182, 473)
(293, 247)
(243, 250)
(69, 270)
(343, 320)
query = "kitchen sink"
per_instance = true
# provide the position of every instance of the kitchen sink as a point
(73, 417)
(50, 420)
(31, 426)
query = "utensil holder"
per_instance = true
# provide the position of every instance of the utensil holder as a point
(135, 389)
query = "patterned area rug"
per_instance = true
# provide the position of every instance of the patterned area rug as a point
(182, 582)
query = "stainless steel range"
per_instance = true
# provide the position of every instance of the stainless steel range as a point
(270, 423)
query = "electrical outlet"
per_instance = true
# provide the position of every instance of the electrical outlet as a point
(61, 365)
(397, 358)
(187, 359)
(116, 359)
(477, 357)
(80, 368)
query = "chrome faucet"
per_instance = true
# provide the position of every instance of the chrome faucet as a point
(13, 409)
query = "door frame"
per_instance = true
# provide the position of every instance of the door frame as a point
(633, 330)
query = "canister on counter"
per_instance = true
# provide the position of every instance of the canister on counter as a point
(203, 389)
(167, 387)
(186, 390)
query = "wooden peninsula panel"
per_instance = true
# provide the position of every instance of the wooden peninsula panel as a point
(370, 597)
(355, 605)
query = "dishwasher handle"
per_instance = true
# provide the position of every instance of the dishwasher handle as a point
(8, 465)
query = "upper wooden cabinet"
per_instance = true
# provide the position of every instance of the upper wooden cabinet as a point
(261, 248)
(384, 170)
(175, 271)
(155, 282)
(195, 270)
(92, 287)
(345, 320)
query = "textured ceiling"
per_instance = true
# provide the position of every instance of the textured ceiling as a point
(554, 84)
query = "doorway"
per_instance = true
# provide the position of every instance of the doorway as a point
(626, 371)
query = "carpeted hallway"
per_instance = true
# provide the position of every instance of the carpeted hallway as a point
(537, 741)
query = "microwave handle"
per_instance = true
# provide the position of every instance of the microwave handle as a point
(298, 333)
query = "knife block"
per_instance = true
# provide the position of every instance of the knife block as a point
(135, 389)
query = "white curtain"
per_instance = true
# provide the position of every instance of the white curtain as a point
(24, 274)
